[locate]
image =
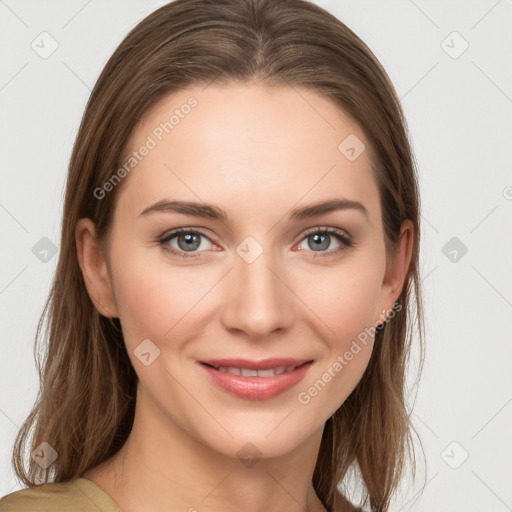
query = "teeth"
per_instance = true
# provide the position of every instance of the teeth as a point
(266, 373)
(247, 372)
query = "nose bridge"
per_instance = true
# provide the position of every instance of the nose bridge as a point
(259, 302)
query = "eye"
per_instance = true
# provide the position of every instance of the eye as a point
(186, 241)
(321, 239)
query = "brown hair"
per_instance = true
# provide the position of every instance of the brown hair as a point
(86, 402)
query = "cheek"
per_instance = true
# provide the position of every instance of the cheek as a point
(156, 301)
(344, 298)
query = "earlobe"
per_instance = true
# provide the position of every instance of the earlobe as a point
(397, 270)
(94, 268)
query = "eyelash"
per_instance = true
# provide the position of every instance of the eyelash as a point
(345, 241)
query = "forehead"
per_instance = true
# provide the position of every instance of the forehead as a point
(253, 147)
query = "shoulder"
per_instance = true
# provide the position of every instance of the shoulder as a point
(77, 495)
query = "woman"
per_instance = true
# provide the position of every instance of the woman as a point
(229, 323)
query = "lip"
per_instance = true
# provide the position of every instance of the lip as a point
(256, 388)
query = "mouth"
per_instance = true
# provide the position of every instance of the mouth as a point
(256, 380)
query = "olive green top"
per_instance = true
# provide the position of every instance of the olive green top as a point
(78, 495)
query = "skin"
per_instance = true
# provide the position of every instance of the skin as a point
(256, 152)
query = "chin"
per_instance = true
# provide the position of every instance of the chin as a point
(267, 436)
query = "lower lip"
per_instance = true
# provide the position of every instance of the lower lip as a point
(256, 388)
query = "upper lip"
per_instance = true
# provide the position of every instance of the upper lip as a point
(263, 364)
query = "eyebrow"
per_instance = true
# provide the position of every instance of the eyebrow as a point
(214, 212)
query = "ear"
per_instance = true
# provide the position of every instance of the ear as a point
(94, 268)
(396, 270)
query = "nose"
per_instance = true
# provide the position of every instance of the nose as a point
(258, 298)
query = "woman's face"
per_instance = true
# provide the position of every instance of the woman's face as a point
(248, 278)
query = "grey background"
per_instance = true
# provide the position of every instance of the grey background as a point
(459, 110)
